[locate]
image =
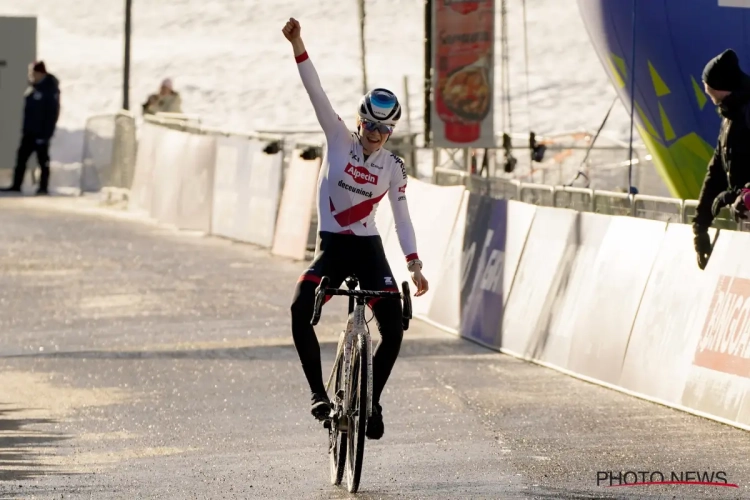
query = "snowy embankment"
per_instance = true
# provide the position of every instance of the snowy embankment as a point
(232, 66)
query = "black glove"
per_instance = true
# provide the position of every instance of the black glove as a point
(702, 243)
(723, 199)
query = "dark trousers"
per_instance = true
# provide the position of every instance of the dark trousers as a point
(339, 256)
(27, 147)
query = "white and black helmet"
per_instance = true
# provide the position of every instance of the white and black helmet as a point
(380, 105)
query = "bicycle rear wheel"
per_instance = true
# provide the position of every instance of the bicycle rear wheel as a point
(337, 441)
(357, 415)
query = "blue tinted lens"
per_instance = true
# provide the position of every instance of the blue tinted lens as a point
(372, 126)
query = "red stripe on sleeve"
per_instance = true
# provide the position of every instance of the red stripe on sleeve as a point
(302, 57)
(412, 256)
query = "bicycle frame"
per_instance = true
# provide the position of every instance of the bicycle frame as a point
(344, 416)
(355, 326)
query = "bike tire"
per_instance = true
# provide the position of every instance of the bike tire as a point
(337, 440)
(358, 422)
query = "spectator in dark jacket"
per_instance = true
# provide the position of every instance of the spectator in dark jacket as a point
(729, 169)
(39, 121)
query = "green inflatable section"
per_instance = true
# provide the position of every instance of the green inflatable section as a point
(680, 161)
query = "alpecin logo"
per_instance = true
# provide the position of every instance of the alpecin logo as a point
(724, 345)
(361, 175)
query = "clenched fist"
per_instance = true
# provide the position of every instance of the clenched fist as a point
(291, 29)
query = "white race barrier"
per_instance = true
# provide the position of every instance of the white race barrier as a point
(196, 184)
(228, 174)
(445, 284)
(544, 255)
(296, 209)
(140, 192)
(605, 314)
(672, 314)
(262, 199)
(433, 225)
(171, 153)
(246, 191)
(554, 329)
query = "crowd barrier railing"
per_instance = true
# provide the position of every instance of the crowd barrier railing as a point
(583, 199)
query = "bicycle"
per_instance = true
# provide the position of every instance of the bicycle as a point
(351, 375)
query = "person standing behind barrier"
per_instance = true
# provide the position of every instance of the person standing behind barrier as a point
(166, 101)
(40, 116)
(729, 169)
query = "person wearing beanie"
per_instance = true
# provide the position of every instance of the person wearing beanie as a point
(166, 101)
(729, 169)
(41, 112)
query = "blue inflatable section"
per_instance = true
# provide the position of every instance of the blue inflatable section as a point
(673, 40)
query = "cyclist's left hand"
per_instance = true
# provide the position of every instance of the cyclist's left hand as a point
(421, 282)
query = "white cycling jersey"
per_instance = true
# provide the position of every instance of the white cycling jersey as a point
(350, 187)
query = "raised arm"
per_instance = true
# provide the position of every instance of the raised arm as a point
(330, 122)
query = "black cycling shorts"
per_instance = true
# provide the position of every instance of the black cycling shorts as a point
(341, 255)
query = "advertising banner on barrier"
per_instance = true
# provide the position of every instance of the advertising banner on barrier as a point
(228, 175)
(262, 200)
(296, 208)
(196, 192)
(672, 313)
(718, 380)
(619, 276)
(463, 66)
(483, 263)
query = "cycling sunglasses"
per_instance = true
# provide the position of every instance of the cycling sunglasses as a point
(373, 126)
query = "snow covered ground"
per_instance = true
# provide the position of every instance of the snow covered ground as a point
(233, 67)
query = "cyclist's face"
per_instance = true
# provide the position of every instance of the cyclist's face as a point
(372, 140)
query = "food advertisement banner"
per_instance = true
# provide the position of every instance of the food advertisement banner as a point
(463, 39)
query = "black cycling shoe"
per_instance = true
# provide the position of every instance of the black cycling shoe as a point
(321, 406)
(375, 427)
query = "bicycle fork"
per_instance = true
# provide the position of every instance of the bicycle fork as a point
(356, 327)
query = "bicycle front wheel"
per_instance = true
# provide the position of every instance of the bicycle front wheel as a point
(337, 441)
(357, 415)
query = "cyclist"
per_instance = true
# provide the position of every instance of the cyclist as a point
(356, 174)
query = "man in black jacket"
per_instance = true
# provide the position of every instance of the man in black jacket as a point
(729, 169)
(39, 121)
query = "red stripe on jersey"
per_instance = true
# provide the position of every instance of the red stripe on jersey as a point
(357, 212)
(302, 57)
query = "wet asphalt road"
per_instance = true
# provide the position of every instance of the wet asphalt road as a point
(142, 362)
